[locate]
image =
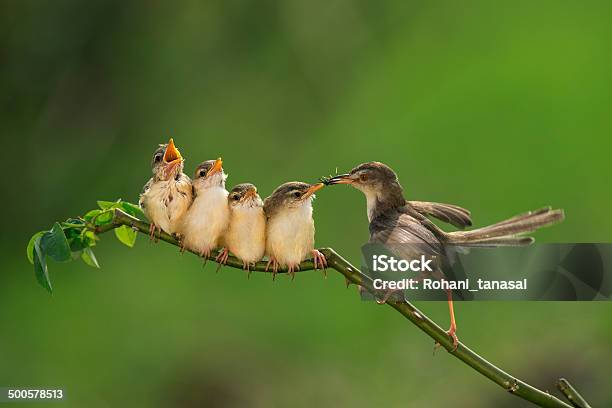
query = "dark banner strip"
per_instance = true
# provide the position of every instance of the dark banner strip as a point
(567, 272)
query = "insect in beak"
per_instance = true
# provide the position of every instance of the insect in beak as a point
(340, 179)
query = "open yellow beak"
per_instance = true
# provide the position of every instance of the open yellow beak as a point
(217, 167)
(312, 189)
(172, 154)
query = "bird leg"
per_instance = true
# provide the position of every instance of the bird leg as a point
(319, 261)
(291, 269)
(452, 331)
(221, 258)
(274, 263)
(223, 255)
(152, 228)
(181, 242)
(205, 253)
(247, 267)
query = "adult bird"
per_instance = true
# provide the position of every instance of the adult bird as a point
(290, 229)
(403, 227)
(208, 217)
(168, 194)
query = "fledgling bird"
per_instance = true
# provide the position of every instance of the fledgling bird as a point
(208, 217)
(290, 227)
(168, 194)
(246, 235)
(395, 221)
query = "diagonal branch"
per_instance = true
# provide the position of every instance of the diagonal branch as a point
(121, 218)
(353, 275)
(571, 394)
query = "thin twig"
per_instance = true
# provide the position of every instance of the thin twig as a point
(352, 274)
(571, 394)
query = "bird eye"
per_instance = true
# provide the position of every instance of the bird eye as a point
(235, 197)
(157, 157)
(297, 194)
(363, 177)
(202, 173)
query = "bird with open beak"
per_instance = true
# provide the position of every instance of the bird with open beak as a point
(246, 235)
(403, 227)
(168, 194)
(208, 217)
(290, 227)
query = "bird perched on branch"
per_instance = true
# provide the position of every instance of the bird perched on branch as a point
(290, 228)
(245, 236)
(208, 217)
(395, 221)
(168, 194)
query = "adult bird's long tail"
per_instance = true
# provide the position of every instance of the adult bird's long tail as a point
(508, 232)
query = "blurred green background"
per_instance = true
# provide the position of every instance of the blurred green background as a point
(498, 107)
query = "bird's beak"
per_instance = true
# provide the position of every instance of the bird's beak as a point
(172, 154)
(172, 159)
(312, 189)
(217, 167)
(340, 179)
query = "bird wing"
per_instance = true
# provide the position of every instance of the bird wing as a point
(404, 235)
(184, 185)
(449, 213)
(145, 189)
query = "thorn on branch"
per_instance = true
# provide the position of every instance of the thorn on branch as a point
(512, 386)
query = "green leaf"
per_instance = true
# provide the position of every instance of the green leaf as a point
(55, 244)
(133, 210)
(72, 232)
(91, 215)
(126, 235)
(30, 248)
(40, 267)
(89, 258)
(107, 205)
(77, 243)
(105, 217)
(89, 238)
